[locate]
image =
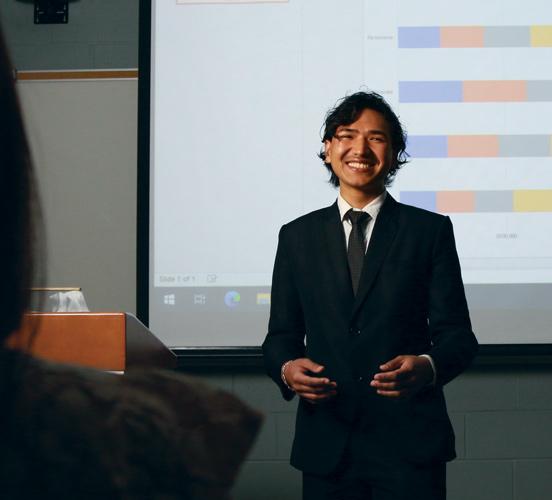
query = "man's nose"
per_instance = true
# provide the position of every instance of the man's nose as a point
(362, 146)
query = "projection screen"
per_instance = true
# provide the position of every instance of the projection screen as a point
(239, 91)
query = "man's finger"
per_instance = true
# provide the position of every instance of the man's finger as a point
(394, 364)
(316, 398)
(392, 376)
(308, 365)
(316, 389)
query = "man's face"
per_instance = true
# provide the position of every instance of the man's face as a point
(361, 155)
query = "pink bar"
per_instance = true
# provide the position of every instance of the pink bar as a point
(462, 36)
(472, 146)
(494, 91)
(455, 202)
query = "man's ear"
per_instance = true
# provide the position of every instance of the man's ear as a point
(327, 151)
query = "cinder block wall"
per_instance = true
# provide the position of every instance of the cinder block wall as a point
(100, 34)
(502, 415)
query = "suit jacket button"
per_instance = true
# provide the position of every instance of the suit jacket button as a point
(358, 378)
(355, 331)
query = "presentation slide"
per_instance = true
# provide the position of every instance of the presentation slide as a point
(239, 94)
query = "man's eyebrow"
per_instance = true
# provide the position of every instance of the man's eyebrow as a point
(346, 129)
(371, 131)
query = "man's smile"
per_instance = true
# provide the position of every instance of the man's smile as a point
(358, 165)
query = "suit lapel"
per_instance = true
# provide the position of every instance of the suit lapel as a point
(384, 232)
(336, 249)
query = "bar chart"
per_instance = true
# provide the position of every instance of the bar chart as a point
(426, 37)
(480, 146)
(474, 90)
(538, 200)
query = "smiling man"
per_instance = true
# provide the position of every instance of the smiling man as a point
(368, 322)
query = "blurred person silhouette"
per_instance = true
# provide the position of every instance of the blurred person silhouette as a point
(71, 432)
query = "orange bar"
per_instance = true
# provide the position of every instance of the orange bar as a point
(494, 91)
(472, 146)
(462, 36)
(455, 202)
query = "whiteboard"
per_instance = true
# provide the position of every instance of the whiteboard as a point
(82, 131)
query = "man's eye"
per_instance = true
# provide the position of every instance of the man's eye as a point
(377, 139)
(344, 136)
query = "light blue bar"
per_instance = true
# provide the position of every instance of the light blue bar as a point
(421, 199)
(507, 36)
(539, 91)
(427, 146)
(524, 146)
(493, 201)
(419, 37)
(450, 91)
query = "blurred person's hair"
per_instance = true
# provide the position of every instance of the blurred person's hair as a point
(19, 212)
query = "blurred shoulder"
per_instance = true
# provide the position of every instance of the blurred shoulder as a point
(143, 428)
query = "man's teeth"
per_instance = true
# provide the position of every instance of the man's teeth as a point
(358, 165)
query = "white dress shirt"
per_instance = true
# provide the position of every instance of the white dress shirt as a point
(372, 209)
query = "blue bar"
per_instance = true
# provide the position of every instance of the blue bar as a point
(421, 199)
(420, 37)
(450, 91)
(427, 146)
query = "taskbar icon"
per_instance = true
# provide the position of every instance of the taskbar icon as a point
(263, 299)
(232, 299)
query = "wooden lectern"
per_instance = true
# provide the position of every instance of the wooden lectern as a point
(112, 341)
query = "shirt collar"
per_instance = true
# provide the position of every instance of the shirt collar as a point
(372, 208)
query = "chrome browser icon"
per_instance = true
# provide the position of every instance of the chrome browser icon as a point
(232, 299)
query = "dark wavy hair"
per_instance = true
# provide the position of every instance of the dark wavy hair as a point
(18, 206)
(347, 110)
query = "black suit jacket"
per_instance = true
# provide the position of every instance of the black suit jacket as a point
(410, 300)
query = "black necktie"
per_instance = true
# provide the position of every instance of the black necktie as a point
(357, 245)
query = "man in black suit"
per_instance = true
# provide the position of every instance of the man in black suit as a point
(368, 345)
